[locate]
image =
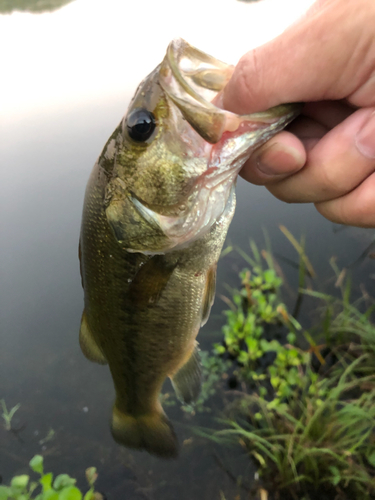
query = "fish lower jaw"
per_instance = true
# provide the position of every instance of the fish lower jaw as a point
(210, 206)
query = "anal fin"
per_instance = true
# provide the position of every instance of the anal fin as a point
(209, 294)
(188, 380)
(88, 345)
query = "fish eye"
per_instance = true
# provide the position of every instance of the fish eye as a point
(140, 124)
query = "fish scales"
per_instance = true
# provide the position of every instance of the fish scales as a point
(157, 208)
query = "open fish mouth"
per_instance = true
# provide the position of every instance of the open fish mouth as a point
(210, 144)
(191, 78)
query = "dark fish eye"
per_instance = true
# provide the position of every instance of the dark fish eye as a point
(140, 124)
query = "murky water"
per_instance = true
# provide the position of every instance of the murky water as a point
(69, 77)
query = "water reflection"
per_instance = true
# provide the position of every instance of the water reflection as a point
(50, 138)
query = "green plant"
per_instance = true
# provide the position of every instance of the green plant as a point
(307, 416)
(305, 445)
(255, 309)
(8, 415)
(61, 488)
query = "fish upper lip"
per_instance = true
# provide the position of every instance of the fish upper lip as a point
(183, 91)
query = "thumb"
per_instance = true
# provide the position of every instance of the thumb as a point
(325, 55)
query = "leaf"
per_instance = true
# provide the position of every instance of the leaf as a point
(50, 495)
(70, 493)
(275, 382)
(89, 495)
(219, 349)
(4, 492)
(291, 338)
(336, 476)
(46, 481)
(299, 249)
(13, 411)
(226, 251)
(91, 475)
(371, 459)
(260, 459)
(36, 464)
(62, 481)
(20, 482)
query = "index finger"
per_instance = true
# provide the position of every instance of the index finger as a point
(325, 55)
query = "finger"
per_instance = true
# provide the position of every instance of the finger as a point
(335, 165)
(280, 157)
(284, 154)
(356, 208)
(328, 113)
(286, 68)
(307, 128)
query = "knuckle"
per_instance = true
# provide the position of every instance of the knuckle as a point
(249, 78)
(280, 190)
(332, 184)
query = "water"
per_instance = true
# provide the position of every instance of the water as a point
(68, 78)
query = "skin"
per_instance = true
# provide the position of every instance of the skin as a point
(327, 157)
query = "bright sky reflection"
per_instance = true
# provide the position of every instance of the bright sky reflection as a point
(92, 48)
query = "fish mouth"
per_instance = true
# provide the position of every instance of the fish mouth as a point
(191, 79)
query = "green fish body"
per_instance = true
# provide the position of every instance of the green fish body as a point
(157, 208)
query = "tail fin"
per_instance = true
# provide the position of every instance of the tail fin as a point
(151, 432)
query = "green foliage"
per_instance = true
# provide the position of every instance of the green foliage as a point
(8, 415)
(61, 488)
(312, 442)
(310, 427)
(255, 308)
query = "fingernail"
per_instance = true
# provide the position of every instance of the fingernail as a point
(278, 160)
(365, 139)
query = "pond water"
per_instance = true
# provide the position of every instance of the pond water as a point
(67, 79)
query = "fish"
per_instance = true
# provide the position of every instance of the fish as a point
(156, 212)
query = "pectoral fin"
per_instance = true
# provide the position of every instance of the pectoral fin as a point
(150, 280)
(187, 381)
(88, 345)
(209, 294)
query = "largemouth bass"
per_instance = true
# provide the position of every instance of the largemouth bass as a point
(156, 212)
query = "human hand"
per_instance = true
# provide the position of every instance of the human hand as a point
(327, 156)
